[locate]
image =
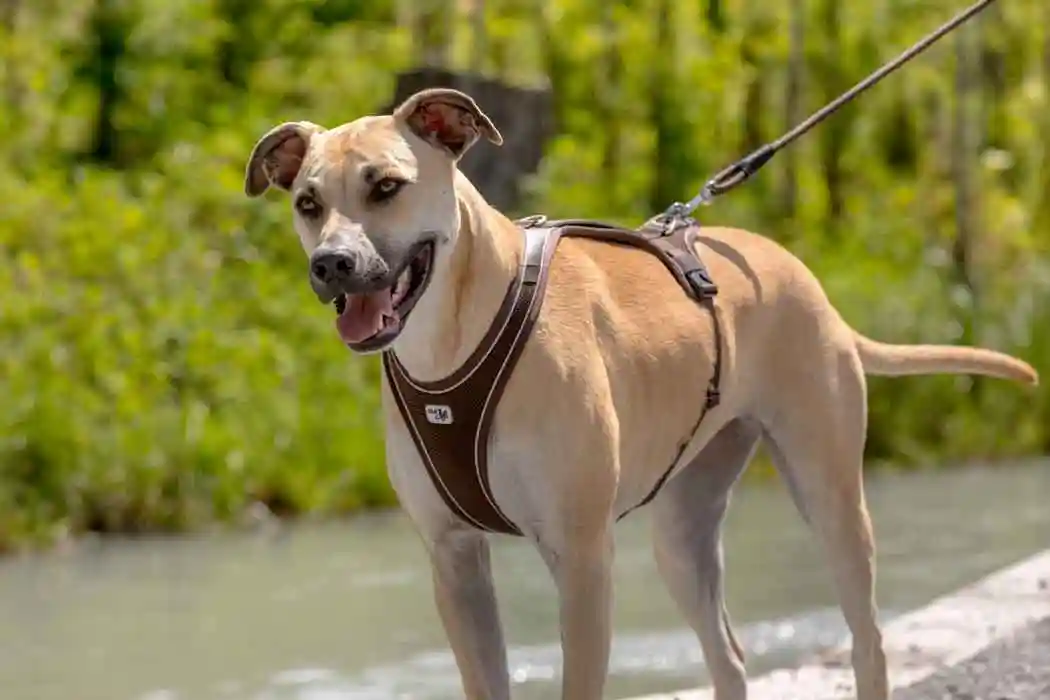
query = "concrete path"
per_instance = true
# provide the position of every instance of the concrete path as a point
(988, 641)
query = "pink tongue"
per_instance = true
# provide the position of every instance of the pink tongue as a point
(363, 316)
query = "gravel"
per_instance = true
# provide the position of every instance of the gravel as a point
(1015, 668)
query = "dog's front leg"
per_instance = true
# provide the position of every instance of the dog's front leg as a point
(582, 571)
(466, 602)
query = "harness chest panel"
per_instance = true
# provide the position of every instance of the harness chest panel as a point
(450, 420)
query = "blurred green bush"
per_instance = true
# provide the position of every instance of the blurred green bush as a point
(164, 364)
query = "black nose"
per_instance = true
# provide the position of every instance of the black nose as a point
(332, 267)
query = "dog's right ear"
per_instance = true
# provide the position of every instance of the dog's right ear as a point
(277, 157)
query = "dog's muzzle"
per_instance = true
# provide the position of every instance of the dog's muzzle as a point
(372, 300)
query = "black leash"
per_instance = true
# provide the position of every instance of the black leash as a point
(744, 168)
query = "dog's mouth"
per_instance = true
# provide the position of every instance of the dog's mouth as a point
(370, 321)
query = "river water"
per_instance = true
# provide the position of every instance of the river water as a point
(343, 611)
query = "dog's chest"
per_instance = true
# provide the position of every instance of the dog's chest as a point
(451, 421)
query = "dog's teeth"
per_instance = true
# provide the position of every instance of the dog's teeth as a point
(401, 287)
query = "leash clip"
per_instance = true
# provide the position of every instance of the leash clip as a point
(673, 218)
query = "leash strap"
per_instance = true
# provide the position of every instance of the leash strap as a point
(740, 171)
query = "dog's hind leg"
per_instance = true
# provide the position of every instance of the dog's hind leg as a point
(817, 446)
(687, 540)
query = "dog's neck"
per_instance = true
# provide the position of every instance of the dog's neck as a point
(467, 288)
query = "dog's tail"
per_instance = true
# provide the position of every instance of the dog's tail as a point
(900, 360)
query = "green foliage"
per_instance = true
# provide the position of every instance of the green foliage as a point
(165, 365)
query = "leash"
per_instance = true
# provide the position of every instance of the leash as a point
(740, 171)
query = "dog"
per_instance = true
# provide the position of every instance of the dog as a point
(607, 385)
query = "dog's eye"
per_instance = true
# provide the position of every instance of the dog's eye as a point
(308, 206)
(385, 189)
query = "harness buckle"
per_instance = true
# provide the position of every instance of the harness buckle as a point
(701, 282)
(532, 220)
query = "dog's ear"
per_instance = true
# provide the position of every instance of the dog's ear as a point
(447, 119)
(277, 157)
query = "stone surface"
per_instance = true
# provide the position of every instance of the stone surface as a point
(988, 641)
(1016, 668)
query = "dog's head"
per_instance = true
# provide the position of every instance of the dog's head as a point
(374, 204)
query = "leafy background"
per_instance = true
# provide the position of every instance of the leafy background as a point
(164, 365)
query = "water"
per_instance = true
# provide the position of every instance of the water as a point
(344, 611)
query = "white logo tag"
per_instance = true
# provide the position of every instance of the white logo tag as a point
(439, 415)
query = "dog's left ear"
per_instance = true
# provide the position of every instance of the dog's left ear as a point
(447, 119)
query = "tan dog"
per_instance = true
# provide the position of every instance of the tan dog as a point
(607, 385)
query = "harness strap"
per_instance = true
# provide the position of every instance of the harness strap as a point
(712, 398)
(673, 241)
(450, 419)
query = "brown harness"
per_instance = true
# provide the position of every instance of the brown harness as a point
(450, 419)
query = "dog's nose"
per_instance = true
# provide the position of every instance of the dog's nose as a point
(332, 266)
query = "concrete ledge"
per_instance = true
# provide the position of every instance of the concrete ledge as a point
(918, 645)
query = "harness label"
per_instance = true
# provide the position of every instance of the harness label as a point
(439, 415)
